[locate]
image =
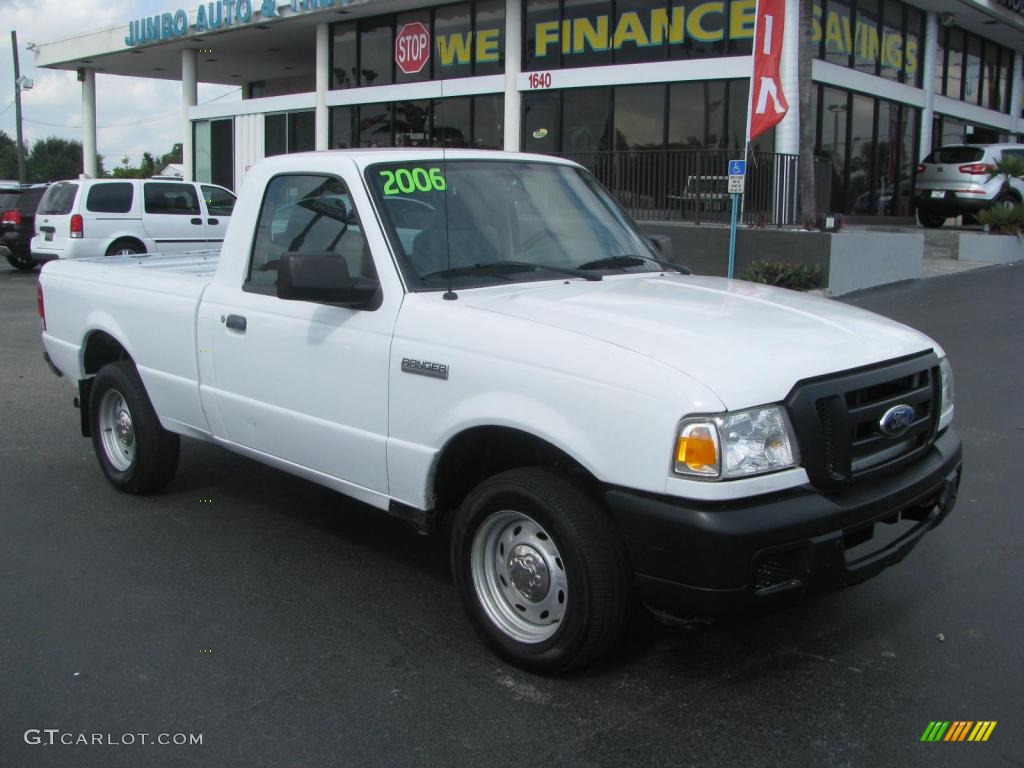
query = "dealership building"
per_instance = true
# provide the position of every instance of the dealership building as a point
(588, 79)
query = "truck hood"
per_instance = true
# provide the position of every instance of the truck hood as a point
(749, 344)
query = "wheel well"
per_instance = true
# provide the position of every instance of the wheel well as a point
(481, 452)
(102, 348)
(132, 240)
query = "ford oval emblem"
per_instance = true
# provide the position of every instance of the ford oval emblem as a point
(896, 420)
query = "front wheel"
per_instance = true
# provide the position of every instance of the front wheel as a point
(134, 451)
(541, 570)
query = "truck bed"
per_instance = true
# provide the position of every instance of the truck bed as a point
(195, 263)
(150, 302)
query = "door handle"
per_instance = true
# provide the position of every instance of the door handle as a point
(214, 222)
(236, 323)
(197, 221)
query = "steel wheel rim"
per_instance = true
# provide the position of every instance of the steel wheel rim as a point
(125, 252)
(519, 576)
(117, 432)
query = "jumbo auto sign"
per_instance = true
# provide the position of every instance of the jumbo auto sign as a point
(221, 14)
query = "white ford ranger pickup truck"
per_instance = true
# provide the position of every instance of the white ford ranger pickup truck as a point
(486, 345)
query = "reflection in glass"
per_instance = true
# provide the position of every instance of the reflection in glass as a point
(376, 45)
(640, 117)
(451, 122)
(586, 119)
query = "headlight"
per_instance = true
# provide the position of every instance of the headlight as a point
(946, 374)
(736, 444)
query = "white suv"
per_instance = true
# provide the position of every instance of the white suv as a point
(954, 181)
(103, 217)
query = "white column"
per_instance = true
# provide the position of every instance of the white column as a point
(89, 165)
(787, 132)
(513, 66)
(189, 96)
(931, 45)
(323, 75)
(1015, 95)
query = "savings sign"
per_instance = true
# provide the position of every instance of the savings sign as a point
(412, 48)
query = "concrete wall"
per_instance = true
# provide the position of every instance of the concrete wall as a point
(865, 259)
(981, 246)
(849, 261)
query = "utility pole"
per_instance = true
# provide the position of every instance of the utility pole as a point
(17, 106)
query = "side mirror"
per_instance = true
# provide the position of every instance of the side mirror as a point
(664, 245)
(324, 278)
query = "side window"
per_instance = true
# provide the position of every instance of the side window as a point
(112, 197)
(59, 199)
(171, 198)
(219, 202)
(307, 214)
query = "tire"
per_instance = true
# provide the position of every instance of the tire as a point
(930, 220)
(21, 262)
(563, 601)
(1008, 200)
(125, 247)
(135, 453)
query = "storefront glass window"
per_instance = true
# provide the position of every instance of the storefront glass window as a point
(696, 114)
(275, 135)
(891, 42)
(541, 49)
(741, 27)
(202, 148)
(972, 73)
(586, 119)
(640, 117)
(488, 121)
(862, 148)
(832, 141)
(866, 43)
(423, 17)
(939, 75)
(412, 123)
(301, 131)
(912, 47)
(954, 63)
(377, 49)
(542, 126)
(591, 36)
(344, 69)
(489, 37)
(630, 52)
(838, 31)
(884, 169)
(342, 127)
(706, 28)
(452, 122)
(375, 125)
(453, 33)
(907, 161)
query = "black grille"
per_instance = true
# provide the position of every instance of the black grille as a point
(837, 419)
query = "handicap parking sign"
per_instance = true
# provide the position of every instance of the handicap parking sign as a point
(737, 167)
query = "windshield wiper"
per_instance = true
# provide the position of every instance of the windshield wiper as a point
(631, 260)
(510, 267)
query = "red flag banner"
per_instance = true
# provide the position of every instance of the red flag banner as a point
(768, 103)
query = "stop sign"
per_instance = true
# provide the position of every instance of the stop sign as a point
(412, 48)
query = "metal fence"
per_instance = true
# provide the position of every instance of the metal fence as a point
(691, 184)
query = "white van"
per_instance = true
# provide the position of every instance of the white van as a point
(105, 217)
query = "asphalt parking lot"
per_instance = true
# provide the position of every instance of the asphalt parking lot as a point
(291, 627)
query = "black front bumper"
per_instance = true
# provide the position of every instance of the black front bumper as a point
(702, 558)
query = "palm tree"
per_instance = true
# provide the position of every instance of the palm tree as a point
(808, 118)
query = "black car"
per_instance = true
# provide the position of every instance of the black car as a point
(17, 222)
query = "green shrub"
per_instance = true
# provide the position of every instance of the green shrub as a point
(796, 277)
(1003, 220)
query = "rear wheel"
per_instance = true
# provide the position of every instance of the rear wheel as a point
(541, 570)
(125, 247)
(1008, 200)
(134, 451)
(929, 219)
(25, 264)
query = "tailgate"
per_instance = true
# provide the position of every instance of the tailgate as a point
(53, 216)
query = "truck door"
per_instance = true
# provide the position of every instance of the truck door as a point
(298, 380)
(172, 216)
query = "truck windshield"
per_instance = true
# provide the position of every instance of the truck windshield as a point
(471, 223)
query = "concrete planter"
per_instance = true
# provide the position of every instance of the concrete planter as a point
(849, 261)
(982, 246)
